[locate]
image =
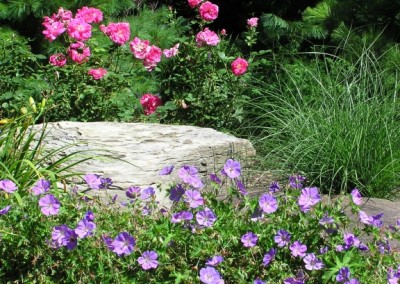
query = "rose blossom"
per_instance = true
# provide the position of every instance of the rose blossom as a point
(58, 59)
(173, 51)
(150, 103)
(208, 11)
(117, 32)
(79, 29)
(97, 73)
(207, 37)
(153, 56)
(194, 3)
(53, 29)
(239, 66)
(139, 47)
(252, 22)
(79, 52)
(89, 15)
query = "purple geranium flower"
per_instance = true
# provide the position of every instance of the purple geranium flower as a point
(296, 181)
(133, 192)
(85, 228)
(89, 215)
(123, 244)
(309, 197)
(384, 246)
(241, 187)
(105, 183)
(93, 181)
(282, 238)
(194, 198)
(148, 260)
(274, 187)
(312, 262)
(350, 241)
(41, 186)
(215, 260)
(259, 281)
(196, 182)
(206, 217)
(181, 216)
(49, 205)
(328, 224)
(167, 170)
(187, 173)
(269, 256)
(298, 279)
(298, 249)
(268, 203)
(108, 241)
(215, 178)
(5, 210)
(176, 193)
(8, 185)
(249, 239)
(209, 275)
(393, 276)
(343, 275)
(371, 220)
(356, 196)
(232, 168)
(147, 194)
(64, 236)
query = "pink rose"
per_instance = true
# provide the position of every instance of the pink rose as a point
(252, 22)
(194, 3)
(153, 56)
(208, 11)
(79, 52)
(150, 103)
(117, 32)
(207, 37)
(139, 47)
(89, 15)
(173, 51)
(58, 59)
(63, 15)
(53, 29)
(79, 29)
(239, 66)
(97, 73)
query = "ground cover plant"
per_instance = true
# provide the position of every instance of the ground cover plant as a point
(286, 235)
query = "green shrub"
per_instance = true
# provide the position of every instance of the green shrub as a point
(335, 119)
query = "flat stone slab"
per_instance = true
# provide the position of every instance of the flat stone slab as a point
(132, 154)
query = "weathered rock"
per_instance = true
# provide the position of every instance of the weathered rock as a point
(134, 153)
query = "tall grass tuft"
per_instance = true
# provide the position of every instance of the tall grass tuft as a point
(334, 119)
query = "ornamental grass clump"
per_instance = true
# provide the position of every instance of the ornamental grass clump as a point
(286, 235)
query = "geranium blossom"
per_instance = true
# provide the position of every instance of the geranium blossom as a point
(207, 37)
(117, 32)
(208, 11)
(49, 205)
(356, 196)
(58, 59)
(232, 168)
(123, 244)
(97, 73)
(148, 260)
(64, 236)
(42, 186)
(80, 30)
(268, 203)
(206, 217)
(239, 66)
(309, 197)
(8, 185)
